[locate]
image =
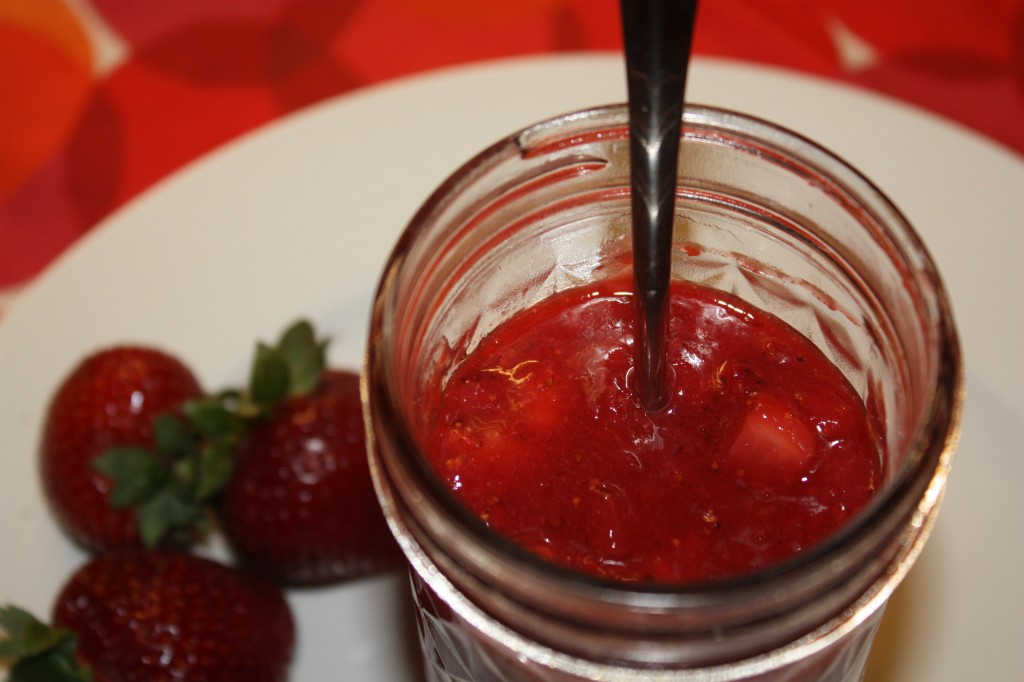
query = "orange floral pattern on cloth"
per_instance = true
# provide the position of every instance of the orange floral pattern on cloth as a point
(104, 98)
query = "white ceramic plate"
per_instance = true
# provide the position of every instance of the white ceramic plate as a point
(298, 218)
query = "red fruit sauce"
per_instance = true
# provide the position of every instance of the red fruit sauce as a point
(763, 451)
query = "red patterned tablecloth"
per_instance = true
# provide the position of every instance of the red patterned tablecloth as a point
(99, 99)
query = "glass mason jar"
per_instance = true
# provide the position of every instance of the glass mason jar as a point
(762, 213)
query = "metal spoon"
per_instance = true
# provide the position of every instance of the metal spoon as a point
(657, 34)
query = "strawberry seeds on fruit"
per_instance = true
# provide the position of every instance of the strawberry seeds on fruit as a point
(300, 506)
(144, 615)
(282, 462)
(112, 398)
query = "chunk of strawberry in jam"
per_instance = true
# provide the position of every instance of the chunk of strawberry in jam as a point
(773, 442)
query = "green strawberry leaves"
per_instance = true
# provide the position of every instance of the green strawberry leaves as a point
(26, 635)
(136, 472)
(291, 368)
(268, 382)
(210, 416)
(40, 653)
(215, 466)
(305, 357)
(170, 484)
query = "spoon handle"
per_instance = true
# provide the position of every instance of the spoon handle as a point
(658, 35)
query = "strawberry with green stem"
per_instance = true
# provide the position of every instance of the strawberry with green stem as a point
(300, 506)
(283, 461)
(120, 397)
(145, 615)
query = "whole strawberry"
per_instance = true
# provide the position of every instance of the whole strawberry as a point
(110, 399)
(300, 505)
(154, 616)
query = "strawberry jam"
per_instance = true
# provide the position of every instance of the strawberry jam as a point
(763, 451)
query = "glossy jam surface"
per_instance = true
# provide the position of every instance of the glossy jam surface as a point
(763, 451)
